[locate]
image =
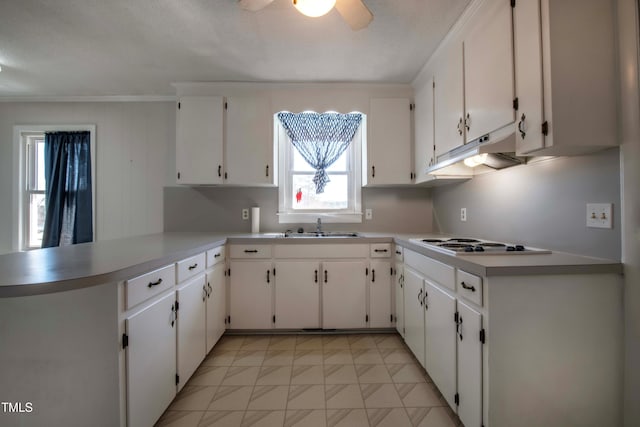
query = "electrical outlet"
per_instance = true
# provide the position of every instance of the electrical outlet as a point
(463, 214)
(245, 213)
(368, 214)
(599, 215)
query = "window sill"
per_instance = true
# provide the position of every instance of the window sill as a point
(312, 217)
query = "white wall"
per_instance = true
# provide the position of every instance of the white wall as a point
(135, 160)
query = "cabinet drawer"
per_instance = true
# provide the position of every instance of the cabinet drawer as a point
(380, 250)
(143, 287)
(438, 272)
(470, 287)
(399, 253)
(321, 250)
(250, 251)
(215, 256)
(190, 267)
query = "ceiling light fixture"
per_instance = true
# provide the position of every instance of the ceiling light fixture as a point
(314, 8)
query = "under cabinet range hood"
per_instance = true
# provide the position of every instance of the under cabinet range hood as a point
(487, 153)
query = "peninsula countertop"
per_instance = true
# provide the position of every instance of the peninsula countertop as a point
(66, 268)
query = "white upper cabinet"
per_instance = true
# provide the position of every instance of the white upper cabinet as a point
(488, 71)
(249, 154)
(423, 118)
(225, 141)
(565, 76)
(199, 140)
(387, 159)
(449, 99)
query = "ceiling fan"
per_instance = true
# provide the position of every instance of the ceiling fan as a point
(355, 12)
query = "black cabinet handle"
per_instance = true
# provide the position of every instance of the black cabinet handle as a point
(250, 251)
(380, 250)
(315, 276)
(325, 276)
(204, 293)
(424, 300)
(373, 275)
(210, 290)
(216, 255)
(420, 297)
(267, 171)
(521, 126)
(459, 327)
(268, 276)
(398, 252)
(191, 267)
(468, 287)
(373, 171)
(152, 284)
(174, 315)
(219, 170)
(467, 122)
(460, 126)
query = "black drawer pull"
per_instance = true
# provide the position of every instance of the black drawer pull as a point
(373, 275)
(219, 170)
(325, 276)
(250, 251)
(380, 250)
(216, 255)
(191, 267)
(468, 287)
(316, 276)
(152, 284)
(398, 253)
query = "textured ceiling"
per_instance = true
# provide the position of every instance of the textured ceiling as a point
(139, 47)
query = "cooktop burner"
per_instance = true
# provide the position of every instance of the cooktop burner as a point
(466, 246)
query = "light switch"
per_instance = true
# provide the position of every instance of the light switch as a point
(600, 215)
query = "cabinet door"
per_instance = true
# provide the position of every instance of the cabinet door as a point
(414, 313)
(199, 139)
(151, 362)
(424, 130)
(449, 99)
(440, 340)
(250, 296)
(389, 142)
(191, 327)
(344, 294)
(399, 293)
(380, 295)
(469, 365)
(249, 143)
(488, 72)
(297, 294)
(528, 63)
(216, 305)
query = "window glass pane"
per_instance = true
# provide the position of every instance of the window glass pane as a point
(39, 164)
(36, 219)
(301, 165)
(335, 196)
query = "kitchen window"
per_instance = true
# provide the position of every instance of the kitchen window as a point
(337, 199)
(29, 199)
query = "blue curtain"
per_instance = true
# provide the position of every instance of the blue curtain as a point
(67, 169)
(320, 138)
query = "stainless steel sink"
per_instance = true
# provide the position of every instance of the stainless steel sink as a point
(321, 234)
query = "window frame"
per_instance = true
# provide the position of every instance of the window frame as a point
(21, 134)
(286, 213)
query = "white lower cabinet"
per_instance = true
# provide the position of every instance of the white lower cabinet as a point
(398, 288)
(344, 294)
(380, 313)
(297, 295)
(470, 338)
(216, 305)
(414, 312)
(440, 340)
(151, 361)
(250, 294)
(191, 297)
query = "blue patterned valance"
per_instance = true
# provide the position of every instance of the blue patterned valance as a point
(320, 138)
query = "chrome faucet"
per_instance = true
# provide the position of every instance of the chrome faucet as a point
(319, 227)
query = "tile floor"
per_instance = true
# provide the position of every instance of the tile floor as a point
(307, 381)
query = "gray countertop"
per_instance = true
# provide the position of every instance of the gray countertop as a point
(72, 267)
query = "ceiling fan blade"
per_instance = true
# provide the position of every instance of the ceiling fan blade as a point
(254, 5)
(355, 12)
